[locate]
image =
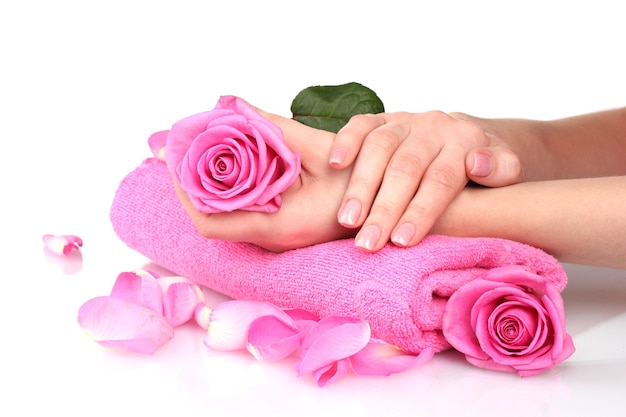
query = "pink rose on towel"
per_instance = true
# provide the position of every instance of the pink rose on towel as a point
(231, 158)
(510, 320)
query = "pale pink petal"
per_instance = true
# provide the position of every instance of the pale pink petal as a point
(331, 373)
(202, 315)
(180, 301)
(146, 273)
(331, 339)
(156, 142)
(62, 244)
(113, 322)
(142, 290)
(382, 358)
(271, 339)
(229, 322)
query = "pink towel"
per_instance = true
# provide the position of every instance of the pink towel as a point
(400, 292)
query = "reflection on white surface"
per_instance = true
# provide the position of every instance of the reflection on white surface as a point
(84, 84)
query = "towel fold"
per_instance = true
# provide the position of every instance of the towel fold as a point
(401, 292)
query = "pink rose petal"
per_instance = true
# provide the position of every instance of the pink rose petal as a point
(62, 244)
(113, 322)
(382, 359)
(272, 339)
(156, 142)
(141, 289)
(180, 299)
(331, 373)
(330, 340)
(229, 322)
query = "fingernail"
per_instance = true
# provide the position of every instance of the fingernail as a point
(483, 165)
(350, 213)
(337, 156)
(403, 234)
(368, 237)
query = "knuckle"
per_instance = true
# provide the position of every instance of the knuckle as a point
(472, 133)
(436, 116)
(405, 165)
(359, 183)
(382, 212)
(382, 141)
(361, 119)
(445, 178)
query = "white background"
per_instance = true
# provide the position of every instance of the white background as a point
(82, 86)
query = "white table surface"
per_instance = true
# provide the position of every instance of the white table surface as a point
(83, 84)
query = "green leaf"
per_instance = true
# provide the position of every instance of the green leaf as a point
(329, 107)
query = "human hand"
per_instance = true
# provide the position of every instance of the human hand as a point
(408, 167)
(308, 212)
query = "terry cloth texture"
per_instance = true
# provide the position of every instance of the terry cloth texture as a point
(401, 292)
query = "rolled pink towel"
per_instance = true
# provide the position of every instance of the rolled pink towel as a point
(400, 292)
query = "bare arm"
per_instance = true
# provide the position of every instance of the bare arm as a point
(590, 145)
(576, 220)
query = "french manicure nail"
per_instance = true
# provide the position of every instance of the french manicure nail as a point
(337, 156)
(368, 237)
(350, 213)
(403, 234)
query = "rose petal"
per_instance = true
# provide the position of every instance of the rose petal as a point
(331, 339)
(382, 359)
(202, 315)
(141, 289)
(457, 325)
(113, 322)
(303, 319)
(62, 244)
(271, 339)
(229, 322)
(180, 301)
(156, 142)
(331, 373)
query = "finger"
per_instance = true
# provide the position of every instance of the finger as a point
(398, 188)
(234, 226)
(369, 169)
(493, 167)
(441, 183)
(349, 139)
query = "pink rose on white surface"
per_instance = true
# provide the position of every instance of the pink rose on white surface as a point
(509, 320)
(231, 158)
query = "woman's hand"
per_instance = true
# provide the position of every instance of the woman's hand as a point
(408, 167)
(309, 207)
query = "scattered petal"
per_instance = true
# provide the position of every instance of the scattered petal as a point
(383, 359)
(330, 340)
(62, 244)
(303, 319)
(271, 339)
(180, 299)
(156, 142)
(202, 315)
(331, 373)
(229, 322)
(69, 264)
(113, 322)
(142, 290)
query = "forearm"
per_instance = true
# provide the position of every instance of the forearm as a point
(590, 145)
(576, 220)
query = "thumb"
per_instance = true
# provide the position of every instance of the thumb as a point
(494, 167)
